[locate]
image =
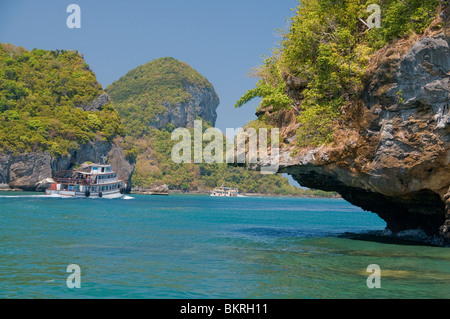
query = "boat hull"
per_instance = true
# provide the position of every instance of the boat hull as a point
(223, 195)
(107, 194)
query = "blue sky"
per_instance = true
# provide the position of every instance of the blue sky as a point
(223, 40)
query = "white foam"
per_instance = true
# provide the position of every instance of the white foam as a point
(127, 197)
(23, 196)
(35, 196)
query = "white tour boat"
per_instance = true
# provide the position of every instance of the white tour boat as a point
(90, 180)
(225, 191)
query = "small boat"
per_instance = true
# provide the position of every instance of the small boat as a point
(90, 180)
(225, 191)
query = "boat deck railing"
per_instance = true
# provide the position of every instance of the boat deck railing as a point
(72, 181)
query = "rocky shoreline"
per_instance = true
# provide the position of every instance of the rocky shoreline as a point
(179, 192)
(26, 171)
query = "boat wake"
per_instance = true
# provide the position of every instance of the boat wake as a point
(31, 196)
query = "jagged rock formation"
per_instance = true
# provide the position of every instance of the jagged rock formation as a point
(98, 103)
(26, 171)
(392, 156)
(444, 230)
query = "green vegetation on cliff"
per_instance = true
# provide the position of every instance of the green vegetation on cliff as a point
(327, 50)
(144, 92)
(41, 98)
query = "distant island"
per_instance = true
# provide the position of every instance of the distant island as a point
(54, 115)
(159, 96)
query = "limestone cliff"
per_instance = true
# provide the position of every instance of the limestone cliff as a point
(161, 92)
(153, 99)
(392, 155)
(53, 115)
(26, 171)
(202, 103)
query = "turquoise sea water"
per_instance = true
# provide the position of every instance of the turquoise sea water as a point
(194, 246)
